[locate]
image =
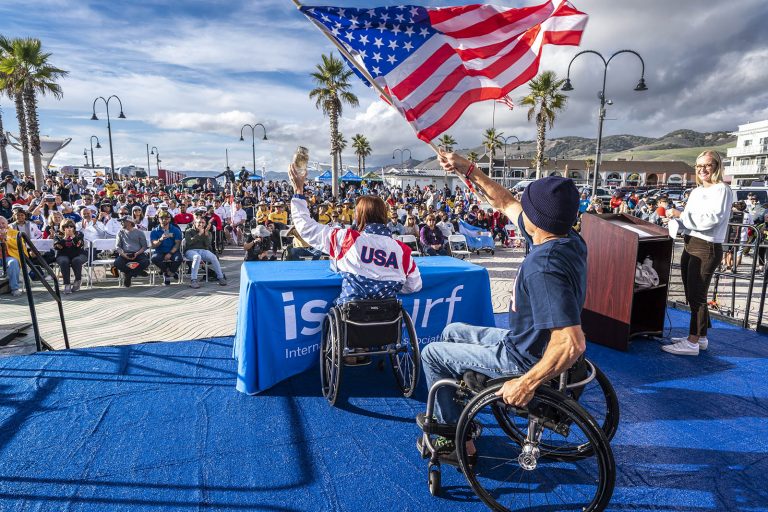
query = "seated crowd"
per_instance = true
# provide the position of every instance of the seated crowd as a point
(147, 217)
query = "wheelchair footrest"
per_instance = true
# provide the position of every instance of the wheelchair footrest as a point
(433, 427)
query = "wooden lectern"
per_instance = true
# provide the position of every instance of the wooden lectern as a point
(615, 310)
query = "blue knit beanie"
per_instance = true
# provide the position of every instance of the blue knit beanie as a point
(552, 204)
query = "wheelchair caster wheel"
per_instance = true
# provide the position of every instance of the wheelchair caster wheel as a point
(434, 482)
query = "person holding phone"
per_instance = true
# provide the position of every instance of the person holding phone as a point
(166, 241)
(197, 241)
(131, 246)
(70, 254)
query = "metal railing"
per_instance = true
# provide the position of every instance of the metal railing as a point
(729, 274)
(31, 259)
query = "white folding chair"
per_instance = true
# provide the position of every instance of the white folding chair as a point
(94, 257)
(515, 240)
(183, 270)
(412, 242)
(152, 269)
(459, 247)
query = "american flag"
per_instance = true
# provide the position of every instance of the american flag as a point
(435, 62)
(506, 100)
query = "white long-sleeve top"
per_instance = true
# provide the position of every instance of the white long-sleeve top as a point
(707, 212)
(371, 263)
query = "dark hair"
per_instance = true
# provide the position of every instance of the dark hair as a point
(370, 210)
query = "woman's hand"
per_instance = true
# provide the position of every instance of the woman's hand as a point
(297, 179)
(673, 213)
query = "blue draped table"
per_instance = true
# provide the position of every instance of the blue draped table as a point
(282, 306)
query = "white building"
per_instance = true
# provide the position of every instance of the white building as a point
(420, 178)
(748, 159)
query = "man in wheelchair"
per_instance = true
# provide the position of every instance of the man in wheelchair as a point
(544, 338)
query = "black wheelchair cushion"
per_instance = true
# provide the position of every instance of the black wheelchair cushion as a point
(372, 312)
(478, 381)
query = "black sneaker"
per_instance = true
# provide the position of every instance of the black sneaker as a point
(144, 273)
(127, 281)
(167, 280)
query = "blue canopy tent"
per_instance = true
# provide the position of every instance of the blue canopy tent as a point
(351, 177)
(255, 177)
(326, 176)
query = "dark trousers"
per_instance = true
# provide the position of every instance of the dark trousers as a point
(171, 266)
(698, 263)
(122, 265)
(66, 263)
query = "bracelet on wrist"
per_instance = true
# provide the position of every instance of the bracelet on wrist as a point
(471, 169)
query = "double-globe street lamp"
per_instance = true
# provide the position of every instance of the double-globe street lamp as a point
(402, 153)
(253, 142)
(156, 152)
(601, 96)
(109, 126)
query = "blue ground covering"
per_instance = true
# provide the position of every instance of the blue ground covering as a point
(161, 427)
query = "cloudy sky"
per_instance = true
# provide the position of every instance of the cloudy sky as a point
(191, 73)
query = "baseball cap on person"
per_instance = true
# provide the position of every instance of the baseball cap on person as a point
(552, 204)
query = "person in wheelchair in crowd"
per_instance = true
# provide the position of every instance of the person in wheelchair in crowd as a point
(371, 263)
(257, 244)
(544, 338)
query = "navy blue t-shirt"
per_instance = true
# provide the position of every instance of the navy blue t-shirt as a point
(550, 289)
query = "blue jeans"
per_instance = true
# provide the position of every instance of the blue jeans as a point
(13, 272)
(198, 255)
(295, 253)
(464, 347)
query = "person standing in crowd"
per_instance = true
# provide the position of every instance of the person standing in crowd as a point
(166, 241)
(131, 246)
(70, 254)
(704, 225)
(10, 251)
(197, 244)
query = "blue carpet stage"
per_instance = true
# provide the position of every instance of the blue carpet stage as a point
(161, 427)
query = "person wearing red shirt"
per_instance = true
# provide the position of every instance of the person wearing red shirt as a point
(615, 202)
(183, 217)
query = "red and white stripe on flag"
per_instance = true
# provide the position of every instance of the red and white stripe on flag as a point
(506, 100)
(435, 62)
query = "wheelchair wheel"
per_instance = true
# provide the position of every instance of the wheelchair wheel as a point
(516, 474)
(434, 481)
(330, 356)
(598, 399)
(406, 363)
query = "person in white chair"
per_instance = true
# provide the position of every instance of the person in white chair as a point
(197, 244)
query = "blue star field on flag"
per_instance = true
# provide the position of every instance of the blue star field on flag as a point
(383, 37)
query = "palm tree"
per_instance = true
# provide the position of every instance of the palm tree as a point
(331, 93)
(492, 141)
(446, 142)
(9, 87)
(341, 144)
(28, 73)
(545, 94)
(362, 150)
(589, 162)
(472, 157)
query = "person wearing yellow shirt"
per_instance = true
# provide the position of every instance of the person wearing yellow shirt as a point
(347, 214)
(112, 188)
(262, 213)
(9, 250)
(279, 215)
(324, 217)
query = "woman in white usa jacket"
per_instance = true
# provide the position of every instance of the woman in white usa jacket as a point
(371, 263)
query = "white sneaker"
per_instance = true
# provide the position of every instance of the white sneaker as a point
(703, 342)
(682, 348)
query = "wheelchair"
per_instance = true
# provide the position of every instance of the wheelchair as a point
(365, 328)
(551, 454)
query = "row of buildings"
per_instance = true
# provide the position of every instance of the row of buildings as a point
(745, 164)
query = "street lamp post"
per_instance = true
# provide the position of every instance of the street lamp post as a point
(402, 152)
(98, 146)
(109, 125)
(504, 141)
(603, 102)
(156, 152)
(253, 142)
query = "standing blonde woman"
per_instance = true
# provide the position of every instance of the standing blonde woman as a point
(704, 223)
